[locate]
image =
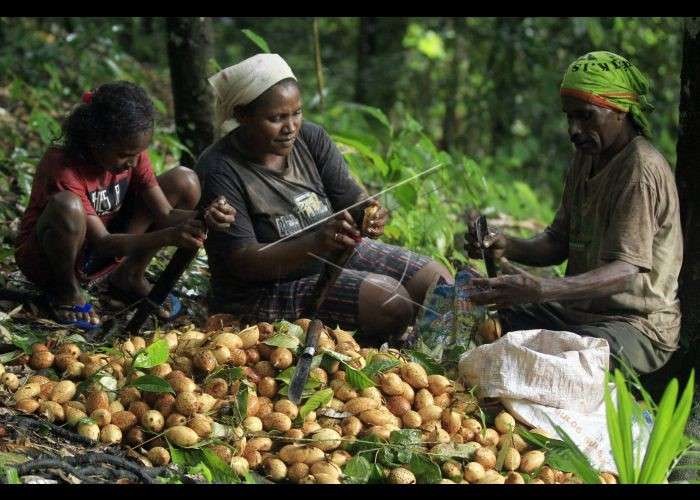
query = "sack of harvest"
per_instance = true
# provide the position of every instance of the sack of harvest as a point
(546, 378)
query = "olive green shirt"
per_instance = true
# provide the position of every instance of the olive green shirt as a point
(627, 211)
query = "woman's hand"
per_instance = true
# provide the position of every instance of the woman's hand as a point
(504, 291)
(219, 214)
(338, 233)
(373, 225)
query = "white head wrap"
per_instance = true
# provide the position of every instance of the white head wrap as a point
(240, 84)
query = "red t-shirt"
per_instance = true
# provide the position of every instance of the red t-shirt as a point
(102, 192)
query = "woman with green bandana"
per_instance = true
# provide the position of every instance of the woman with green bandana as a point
(618, 225)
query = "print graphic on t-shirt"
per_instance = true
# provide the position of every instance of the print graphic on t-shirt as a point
(287, 224)
(109, 200)
(310, 207)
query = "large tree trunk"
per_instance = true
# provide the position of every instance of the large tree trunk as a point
(688, 177)
(688, 180)
(505, 78)
(189, 48)
(380, 59)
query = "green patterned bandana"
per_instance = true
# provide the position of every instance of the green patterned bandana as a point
(610, 81)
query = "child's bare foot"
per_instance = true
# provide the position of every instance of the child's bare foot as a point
(127, 287)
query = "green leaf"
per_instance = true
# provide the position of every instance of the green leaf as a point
(201, 468)
(406, 437)
(220, 471)
(317, 400)
(151, 383)
(357, 379)
(381, 365)
(577, 460)
(371, 444)
(287, 328)
(624, 408)
(662, 422)
(336, 355)
(431, 45)
(537, 440)
(11, 476)
(501, 457)
(388, 457)
(155, 354)
(257, 40)
(361, 148)
(377, 476)
(242, 405)
(309, 389)
(376, 113)
(178, 456)
(614, 434)
(10, 459)
(429, 364)
(404, 456)
(425, 470)
(358, 470)
(283, 340)
(25, 341)
(9, 356)
(229, 373)
(674, 436)
(254, 478)
(286, 375)
(79, 339)
(86, 421)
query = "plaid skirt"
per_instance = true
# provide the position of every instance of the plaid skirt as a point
(286, 300)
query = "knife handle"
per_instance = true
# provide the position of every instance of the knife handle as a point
(312, 336)
(482, 230)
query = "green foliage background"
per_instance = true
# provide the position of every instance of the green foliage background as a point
(475, 95)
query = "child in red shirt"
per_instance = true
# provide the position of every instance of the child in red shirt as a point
(96, 206)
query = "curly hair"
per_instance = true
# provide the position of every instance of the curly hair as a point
(117, 111)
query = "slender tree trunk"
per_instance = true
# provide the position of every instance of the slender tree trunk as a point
(319, 66)
(380, 59)
(688, 180)
(126, 37)
(449, 122)
(189, 48)
(147, 25)
(68, 24)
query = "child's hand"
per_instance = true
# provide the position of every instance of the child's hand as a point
(219, 215)
(189, 234)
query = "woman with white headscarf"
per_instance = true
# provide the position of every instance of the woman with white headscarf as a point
(283, 175)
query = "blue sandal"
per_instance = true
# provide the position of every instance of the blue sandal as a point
(130, 299)
(80, 323)
(175, 307)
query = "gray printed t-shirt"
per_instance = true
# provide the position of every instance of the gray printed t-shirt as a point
(628, 211)
(269, 206)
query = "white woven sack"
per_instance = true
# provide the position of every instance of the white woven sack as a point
(557, 369)
(546, 377)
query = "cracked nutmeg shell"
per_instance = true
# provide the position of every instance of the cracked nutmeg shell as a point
(369, 213)
(490, 329)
